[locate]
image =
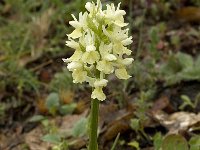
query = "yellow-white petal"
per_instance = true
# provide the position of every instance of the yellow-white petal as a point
(72, 44)
(118, 48)
(65, 60)
(90, 48)
(98, 94)
(90, 57)
(90, 80)
(122, 73)
(127, 41)
(79, 76)
(120, 24)
(105, 66)
(75, 24)
(119, 13)
(74, 65)
(100, 83)
(127, 61)
(110, 57)
(89, 6)
(127, 51)
(76, 56)
(75, 34)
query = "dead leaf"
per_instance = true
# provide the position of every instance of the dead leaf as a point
(11, 141)
(77, 143)
(188, 14)
(34, 142)
(64, 125)
(163, 103)
(67, 96)
(41, 106)
(179, 121)
(67, 123)
(119, 122)
(6, 8)
(118, 126)
(81, 106)
(107, 113)
(45, 75)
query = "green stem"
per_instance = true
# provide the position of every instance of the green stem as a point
(94, 113)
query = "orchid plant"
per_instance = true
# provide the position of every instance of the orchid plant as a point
(100, 40)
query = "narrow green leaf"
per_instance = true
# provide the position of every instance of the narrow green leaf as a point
(115, 142)
(37, 118)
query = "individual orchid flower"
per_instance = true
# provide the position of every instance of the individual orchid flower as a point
(78, 25)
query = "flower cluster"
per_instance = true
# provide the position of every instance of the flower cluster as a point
(100, 41)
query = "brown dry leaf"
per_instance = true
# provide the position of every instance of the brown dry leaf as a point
(118, 126)
(41, 107)
(163, 103)
(67, 122)
(188, 14)
(64, 124)
(67, 96)
(11, 139)
(45, 75)
(108, 113)
(77, 143)
(81, 106)
(33, 140)
(179, 121)
(3, 140)
(6, 8)
(117, 121)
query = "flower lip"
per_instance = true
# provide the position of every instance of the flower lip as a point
(74, 65)
(98, 93)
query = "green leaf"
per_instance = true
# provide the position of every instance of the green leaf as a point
(52, 138)
(37, 118)
(157, 141)
(115, 142)
(174, 142)
(195, 143)
(186, 102)
(52, 102)
(134, 144)
(67, 109)
(191, 74)
(197, 62)
(135, 124)
(185, 60)
(80, 128)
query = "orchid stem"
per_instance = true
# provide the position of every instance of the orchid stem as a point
(94, 113)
